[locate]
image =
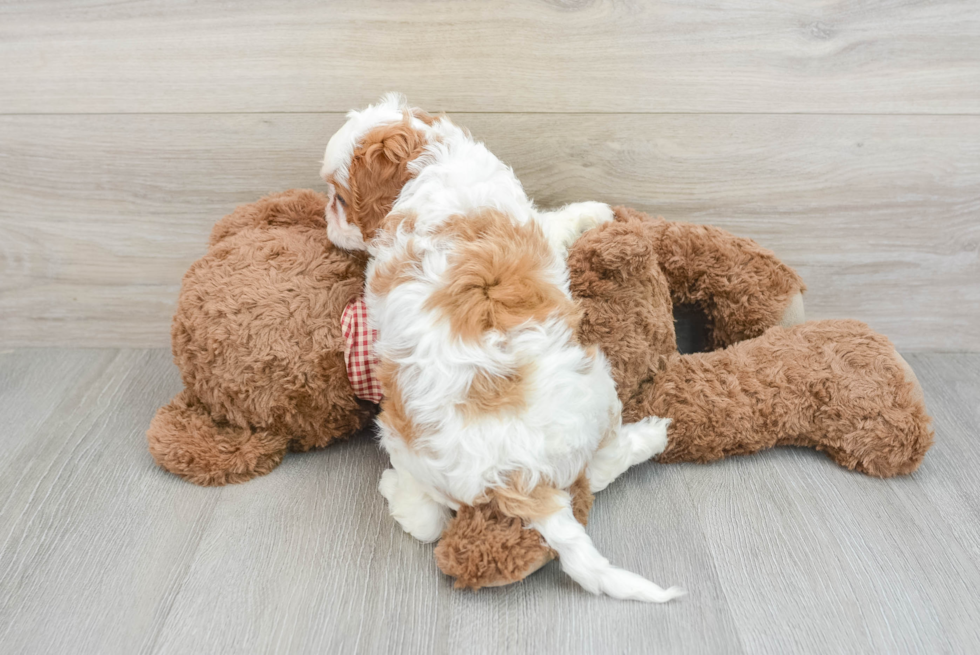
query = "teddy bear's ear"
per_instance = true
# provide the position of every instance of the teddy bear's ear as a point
(295, 207)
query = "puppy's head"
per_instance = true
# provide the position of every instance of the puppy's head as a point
(366, 165)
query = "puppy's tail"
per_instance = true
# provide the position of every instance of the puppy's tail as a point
(584, 564)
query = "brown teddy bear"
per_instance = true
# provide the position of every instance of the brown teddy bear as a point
(257, 337)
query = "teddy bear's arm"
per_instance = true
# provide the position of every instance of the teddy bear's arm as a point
(185, 439)
(482, 547)
(743, 288)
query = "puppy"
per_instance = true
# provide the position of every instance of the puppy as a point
(487, 395)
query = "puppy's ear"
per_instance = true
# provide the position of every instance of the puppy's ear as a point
(399, 143)
(403, 143)
(379, 170)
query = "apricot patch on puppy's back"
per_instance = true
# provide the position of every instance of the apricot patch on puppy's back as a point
(495, 394)
(400, 268)
(398, 220)
(497, 277)
(516, 500)
(582, 498)
(393, 413)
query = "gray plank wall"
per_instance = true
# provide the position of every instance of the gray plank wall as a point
(845, 136)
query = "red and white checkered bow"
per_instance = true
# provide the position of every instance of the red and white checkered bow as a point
(359, 351)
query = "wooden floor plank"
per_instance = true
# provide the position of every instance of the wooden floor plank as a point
(103, 214)
(102, 552)
(95, 539)
(952, 387)
(331, 572)
(641, 523)
(306, 560)
(558, 56)
(889, 563)
(33, 383)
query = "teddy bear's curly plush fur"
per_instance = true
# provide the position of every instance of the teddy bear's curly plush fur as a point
(258, 341)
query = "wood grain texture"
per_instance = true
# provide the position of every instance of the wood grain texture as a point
(952, 387)
(101, 215)
(94, 543)
(507, 55)
(101, 552)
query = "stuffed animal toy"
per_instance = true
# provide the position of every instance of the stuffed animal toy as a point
(259, 341)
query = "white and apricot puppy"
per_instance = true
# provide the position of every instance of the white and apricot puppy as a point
(487, 393)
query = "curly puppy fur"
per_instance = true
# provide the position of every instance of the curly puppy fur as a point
(258, 341)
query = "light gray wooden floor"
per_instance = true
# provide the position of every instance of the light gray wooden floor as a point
(101, 552)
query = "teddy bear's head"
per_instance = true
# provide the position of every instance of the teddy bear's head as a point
(258, 340)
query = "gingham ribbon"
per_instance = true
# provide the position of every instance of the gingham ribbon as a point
(359, 351)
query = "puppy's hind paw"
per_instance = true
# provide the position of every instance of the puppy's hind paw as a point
(648, 437)
(411, 507)
(569, 222)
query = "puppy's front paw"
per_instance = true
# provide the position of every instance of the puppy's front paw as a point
(426, 522)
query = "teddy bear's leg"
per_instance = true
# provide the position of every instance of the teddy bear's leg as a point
(186, 440)
(563, 226)
(418, 513)
(742, 288)
(630, 444)
(483, 547)
(832, 385)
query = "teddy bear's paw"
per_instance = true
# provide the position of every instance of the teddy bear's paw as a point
(185, 439)
(794, 314)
